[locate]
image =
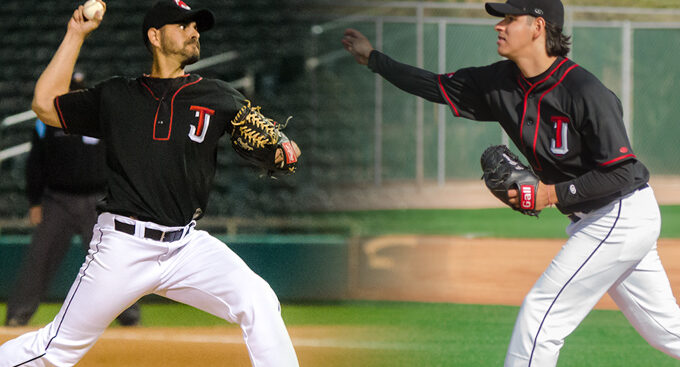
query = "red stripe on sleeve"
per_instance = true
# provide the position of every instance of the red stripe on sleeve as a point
(59, 113)
(441, 87)
(618, 159)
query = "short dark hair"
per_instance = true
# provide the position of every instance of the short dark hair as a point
(556, 42)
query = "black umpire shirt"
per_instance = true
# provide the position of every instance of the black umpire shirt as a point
(65, 163)
(161, 138)
(566, 123)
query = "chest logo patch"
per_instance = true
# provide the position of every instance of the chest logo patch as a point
(197, 131)
(558, 143)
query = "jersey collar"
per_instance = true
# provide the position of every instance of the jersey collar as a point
(546, 78)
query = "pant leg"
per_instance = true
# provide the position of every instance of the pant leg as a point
(83, 212)
(207, 275)
(646, 298)
(117, 271)
(46, 251)
(602, 247)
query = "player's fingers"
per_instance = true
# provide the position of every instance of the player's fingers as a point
(351, 32)
(78, 15)
(99, 15)
(278, 158)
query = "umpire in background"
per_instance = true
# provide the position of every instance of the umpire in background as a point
(65, 177)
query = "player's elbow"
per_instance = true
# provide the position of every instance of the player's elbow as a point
(45, 110)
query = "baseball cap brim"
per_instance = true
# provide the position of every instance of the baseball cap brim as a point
(501, 9)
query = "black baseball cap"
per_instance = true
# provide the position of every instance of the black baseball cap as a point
(550, 10)
(173, 12)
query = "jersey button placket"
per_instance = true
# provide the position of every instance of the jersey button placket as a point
(162, 127)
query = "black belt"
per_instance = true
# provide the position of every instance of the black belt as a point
(150, 233)
(574, 218)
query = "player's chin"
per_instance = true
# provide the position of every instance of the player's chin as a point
(193, 58)
(501, 51)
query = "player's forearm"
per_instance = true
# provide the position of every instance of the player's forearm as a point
(408, 78)
(597, 184)
(56, 78)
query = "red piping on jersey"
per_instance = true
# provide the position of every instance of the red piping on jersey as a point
(149, 89)
(439, 80)
(526, 95)
(525, 79)
(519, 81)
(61, 116)
(172, 108)
(538, 114)
(618, 159)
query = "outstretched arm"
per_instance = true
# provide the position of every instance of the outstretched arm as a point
(56, 78)
(408, 78)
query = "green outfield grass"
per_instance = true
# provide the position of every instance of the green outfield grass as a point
(499, 222)
(434, 334)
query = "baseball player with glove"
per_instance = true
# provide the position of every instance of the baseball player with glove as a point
(569, 127)
(161, 133)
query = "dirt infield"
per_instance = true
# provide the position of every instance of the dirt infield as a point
(330, 346)
(462, 270)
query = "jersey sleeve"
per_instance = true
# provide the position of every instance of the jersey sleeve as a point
(231, 100)
(468, 91)
(604, 131)
(79, 112)
(413, 80)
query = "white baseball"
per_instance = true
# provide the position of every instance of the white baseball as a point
(91, 7)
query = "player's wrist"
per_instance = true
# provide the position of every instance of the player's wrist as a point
(74, 37)
(552, 195)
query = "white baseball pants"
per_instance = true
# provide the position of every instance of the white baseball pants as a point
(612, 249)
(197, 270)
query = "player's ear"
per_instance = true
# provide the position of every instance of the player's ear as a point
(538, 26)
(154, 35)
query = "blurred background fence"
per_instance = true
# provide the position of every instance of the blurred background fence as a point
(400, 138)
(354, 128)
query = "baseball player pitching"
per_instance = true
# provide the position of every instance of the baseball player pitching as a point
(161, 133)
(570, 129)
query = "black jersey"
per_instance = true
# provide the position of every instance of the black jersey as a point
(161, 138)
(566, 123)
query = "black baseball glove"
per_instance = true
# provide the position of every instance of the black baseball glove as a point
(256, 138)
(504, 171)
